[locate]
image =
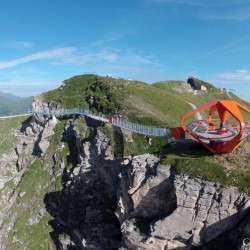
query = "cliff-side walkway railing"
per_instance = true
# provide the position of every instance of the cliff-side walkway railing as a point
(114, 120)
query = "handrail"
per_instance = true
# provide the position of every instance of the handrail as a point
(115, 120)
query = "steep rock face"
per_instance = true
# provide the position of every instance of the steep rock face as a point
(109, 202)
(39, 104)
(33, 132)
(142, 181)
(83, 209)
(34, 140)
(202, 211)
(176, 211)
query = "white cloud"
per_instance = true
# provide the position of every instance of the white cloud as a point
(72, 55)
(65, 55)
(236, 80)
(26, 79)
(239, 15)
(236, 77)
(216, 10)
(186, 2)
(50, 54)
(20, 45)
(16, 45)
(227, 10)
(136, 58)
(88, 56)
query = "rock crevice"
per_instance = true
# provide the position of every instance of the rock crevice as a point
(110, 202)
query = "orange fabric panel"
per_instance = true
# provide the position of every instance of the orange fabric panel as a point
(224, 108)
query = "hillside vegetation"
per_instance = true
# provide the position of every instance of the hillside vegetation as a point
(161, 104)
(40, 203)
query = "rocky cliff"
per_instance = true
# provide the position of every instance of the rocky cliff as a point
(68, 190)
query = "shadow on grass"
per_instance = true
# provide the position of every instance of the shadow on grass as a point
(186, 148)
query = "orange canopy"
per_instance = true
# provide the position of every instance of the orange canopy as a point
(224, 108)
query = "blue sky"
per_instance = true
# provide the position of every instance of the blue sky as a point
(44, 42)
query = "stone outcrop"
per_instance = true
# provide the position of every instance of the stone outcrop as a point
(110, 202)
(176, 211)
(32, 141)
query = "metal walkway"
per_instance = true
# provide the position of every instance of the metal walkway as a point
(115, 120)
(140, 129)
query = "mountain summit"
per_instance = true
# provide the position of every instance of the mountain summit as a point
(75, 182)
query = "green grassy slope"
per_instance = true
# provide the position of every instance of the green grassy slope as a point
(9, 128)
(159, 104)
(135, 100)
(174, 88)
(162, 103)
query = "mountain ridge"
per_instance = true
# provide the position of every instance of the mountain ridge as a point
(12, 104)
(74, 183)
(120, 96)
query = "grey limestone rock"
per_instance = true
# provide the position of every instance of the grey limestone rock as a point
(179, 210)
(123, 203)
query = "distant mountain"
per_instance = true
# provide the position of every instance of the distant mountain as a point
(9, 96)
(11, 104)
